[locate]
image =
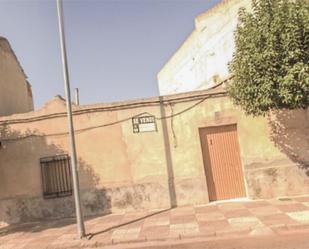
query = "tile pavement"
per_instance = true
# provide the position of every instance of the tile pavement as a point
(229, 219)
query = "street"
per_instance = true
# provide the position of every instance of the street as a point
(291, 241)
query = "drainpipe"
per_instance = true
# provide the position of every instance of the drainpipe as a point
(168, 155)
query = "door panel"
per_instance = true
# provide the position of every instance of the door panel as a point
(222, 162)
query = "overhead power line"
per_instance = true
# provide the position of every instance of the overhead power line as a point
(201, 98)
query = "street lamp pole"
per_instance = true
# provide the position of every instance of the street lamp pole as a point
(78, 209)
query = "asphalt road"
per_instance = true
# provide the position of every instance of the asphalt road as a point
(291, 241)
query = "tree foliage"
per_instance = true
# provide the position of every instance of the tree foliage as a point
(270, 63)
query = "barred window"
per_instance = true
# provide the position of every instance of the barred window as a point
(56, 176)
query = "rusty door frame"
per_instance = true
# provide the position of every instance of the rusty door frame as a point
(241, 161)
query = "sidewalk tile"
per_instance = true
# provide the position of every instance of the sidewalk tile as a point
(192, 231)
(302, 199)
(162, 222)
(256, 204)
(150, 223)
(8, 246)
(134, 230)
(210, 216)
(112, 218)
(224, 219)
(245, 222)
(176, 219)
(264, 211)
(261, 231)
(230, 206)
(298, 226)
(204, 209)
(175, 235)
(101, 227)
(191, 225)
(306, 204)
(231, 232)
(302, 216)
(219, 224)
(188, 218)
(177, 227)
(118, 234)
(130, 236)
(155, 230)
(277, 219)
(237, 213)
(191, 228)
(183, 211)
(292, 207)
(207, 229)
(136, 224)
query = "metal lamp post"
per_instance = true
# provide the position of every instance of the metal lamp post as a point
(78, 209)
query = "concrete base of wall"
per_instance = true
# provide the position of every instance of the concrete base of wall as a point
(273, 182)
(102, 201)
(95, 202)
(262, 183)
(191, 191)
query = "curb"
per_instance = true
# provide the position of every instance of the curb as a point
(291, 228)
(235, 233)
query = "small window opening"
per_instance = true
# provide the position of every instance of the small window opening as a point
(56, 176)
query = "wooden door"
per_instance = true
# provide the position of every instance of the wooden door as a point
(222, 162)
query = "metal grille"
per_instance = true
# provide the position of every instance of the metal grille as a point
(56, 176)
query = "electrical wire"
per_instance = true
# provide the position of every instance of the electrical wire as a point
(183, 99)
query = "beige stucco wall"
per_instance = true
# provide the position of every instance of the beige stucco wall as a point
(120, 170)
(15, 91)
(202, 60)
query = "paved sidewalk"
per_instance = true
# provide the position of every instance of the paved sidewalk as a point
(213, 221)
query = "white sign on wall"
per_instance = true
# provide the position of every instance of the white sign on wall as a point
(144, 124)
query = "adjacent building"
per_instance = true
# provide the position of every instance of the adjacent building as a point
(202, 60)
(15, 90)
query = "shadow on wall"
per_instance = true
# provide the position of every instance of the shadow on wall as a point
(21, 192)
(290, 133)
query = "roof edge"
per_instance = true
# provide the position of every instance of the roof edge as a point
(33, 116)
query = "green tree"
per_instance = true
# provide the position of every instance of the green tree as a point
(270, 63)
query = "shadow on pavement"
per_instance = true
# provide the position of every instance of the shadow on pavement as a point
(91, 235)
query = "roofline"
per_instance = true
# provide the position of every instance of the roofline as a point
(215, 91)
(212, 10)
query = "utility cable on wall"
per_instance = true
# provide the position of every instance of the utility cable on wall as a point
(78, 131)
(172, 126)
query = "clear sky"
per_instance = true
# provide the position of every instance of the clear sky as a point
(115, 47)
